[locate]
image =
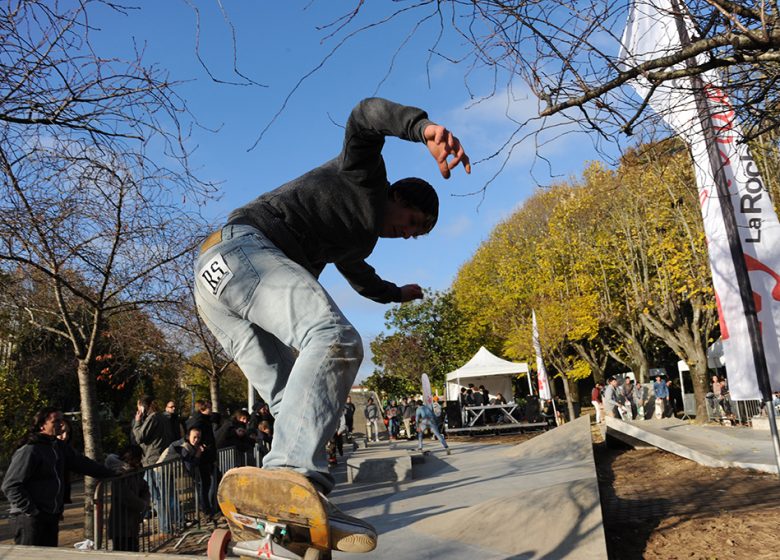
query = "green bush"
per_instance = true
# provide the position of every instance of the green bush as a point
(19, 401)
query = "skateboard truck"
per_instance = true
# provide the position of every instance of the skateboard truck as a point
(268, 547)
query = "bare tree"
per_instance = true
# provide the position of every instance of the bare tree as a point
(97, 200)
(196, 345)
(567, 54)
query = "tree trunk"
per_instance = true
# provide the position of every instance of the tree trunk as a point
(90, 423)
(687, 336)
(567, 391)
(214, 392)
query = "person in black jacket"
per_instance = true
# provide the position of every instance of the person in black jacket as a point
(34, 482)
(257, 288)
(203, 419)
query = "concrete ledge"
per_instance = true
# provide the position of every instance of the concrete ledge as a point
(379, 469)
(709, 446)
(762, 423)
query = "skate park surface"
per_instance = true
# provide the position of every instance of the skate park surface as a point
(536, 499)
(708, 445)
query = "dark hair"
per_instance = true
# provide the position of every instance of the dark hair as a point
(131, 453)
(611, 378)
(148, 403)
(38, 421)
(417, 193)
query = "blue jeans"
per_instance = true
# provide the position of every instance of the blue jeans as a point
(288, 337)
(426, 424)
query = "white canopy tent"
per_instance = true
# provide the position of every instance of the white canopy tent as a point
(496, 374)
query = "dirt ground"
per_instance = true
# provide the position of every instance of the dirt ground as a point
(655, 506)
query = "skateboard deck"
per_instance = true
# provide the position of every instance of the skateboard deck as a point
(273, 514)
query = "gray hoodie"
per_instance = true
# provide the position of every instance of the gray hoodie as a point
(333, 214)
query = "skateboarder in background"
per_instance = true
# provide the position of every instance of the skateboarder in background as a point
(425, 419)
(257, 288)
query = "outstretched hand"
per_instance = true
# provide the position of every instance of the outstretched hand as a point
(443, 144)
(410, 292)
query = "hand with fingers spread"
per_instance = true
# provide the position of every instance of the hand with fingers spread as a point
(443, 144)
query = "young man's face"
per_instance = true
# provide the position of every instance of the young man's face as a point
(53, 424)
(194, 437)
(402, 221)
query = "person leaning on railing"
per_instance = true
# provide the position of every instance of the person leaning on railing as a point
(34, 481)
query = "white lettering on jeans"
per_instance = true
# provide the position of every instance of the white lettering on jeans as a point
(215, 275)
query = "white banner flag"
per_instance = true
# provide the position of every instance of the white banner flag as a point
(543, 383)
(652, 31)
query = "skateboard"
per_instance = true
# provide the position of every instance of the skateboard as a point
(272, 514)
(659, 409)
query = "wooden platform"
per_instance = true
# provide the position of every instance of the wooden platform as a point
(498, 428)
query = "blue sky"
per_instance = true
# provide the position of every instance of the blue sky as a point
(277, 44)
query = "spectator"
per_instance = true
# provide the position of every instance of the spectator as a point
(349, 416)
(336, 443)
(391, 413)
(675, 398)
(203, 419)
(639, 400)
(408, 416)
(371, 413)
(595, 400)
(33, 481)
(626, 397)
(610, 398)
(153, 432)
(476, 395)
(463, 404)
(174, 420)
(66, 437)
(129, 498)
(235, 433)
(661, 393)
(719, 397)
(190, 450)
(485, 395)
(264, 437)
(438, 414)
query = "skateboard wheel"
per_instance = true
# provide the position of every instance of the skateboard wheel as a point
(218, 544)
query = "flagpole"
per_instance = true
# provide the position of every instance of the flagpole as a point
(732, 235)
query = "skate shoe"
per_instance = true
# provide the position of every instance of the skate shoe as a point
(347, 533)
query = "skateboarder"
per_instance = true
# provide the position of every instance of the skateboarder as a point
(425, 419)
(257, 288)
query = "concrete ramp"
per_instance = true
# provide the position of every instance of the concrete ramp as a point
(538, 499)
(711, 446)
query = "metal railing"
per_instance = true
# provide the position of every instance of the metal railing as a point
(741, 411)
(143, 510)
